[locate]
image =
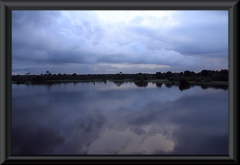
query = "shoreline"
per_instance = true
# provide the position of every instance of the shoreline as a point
(165, 81)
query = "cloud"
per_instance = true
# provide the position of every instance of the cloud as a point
(137, 20)
(178, 39)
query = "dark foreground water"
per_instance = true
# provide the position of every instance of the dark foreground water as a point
(119, 119)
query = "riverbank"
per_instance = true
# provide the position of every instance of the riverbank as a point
(165, 81)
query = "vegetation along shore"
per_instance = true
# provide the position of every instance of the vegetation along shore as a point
(205, 77)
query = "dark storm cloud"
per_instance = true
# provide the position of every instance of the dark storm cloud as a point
(36, 19)
(179, 39)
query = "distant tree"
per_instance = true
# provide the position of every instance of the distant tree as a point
(141, 77)
(47, 72)
(224, 72)
(198, 79)
(212, 73)
(222, 75)
(173, 78)
(159, 75)
(38, 79)
(119, 76)
(205, 73)
(145, 77)
(168, 74)
(74, 74)
(187, 73)
(207, 79)
(183, 81)
(181, 74)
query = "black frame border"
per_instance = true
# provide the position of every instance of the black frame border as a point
(6, 7)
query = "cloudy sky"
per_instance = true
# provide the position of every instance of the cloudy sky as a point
(95, 42)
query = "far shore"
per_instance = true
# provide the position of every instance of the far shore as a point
(165, 81)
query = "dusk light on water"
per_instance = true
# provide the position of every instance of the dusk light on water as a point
(143, 82)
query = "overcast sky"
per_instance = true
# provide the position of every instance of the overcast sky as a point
(94, 42)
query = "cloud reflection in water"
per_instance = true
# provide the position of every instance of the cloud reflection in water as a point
(86, 119)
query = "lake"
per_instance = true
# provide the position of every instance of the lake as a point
(119, 119)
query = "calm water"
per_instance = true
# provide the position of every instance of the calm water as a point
(118, 119)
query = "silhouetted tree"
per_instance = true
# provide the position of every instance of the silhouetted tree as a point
(48, 73)
(198, 79)
(183, 81)
(173, 78)
(181, 74)
(168, 74)
(159, 75)
(224, 72)
(141, 77)
(207, 79)
(187, 73)
(205, 72)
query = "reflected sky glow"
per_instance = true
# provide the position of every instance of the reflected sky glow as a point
(68, 119)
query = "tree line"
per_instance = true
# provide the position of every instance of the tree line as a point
(184, 77)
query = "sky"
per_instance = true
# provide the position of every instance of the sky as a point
(109, 42)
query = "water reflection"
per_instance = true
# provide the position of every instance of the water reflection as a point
(118, 83)
(184, 87)
(168, 85)
(141, 84)
(224, 87)
(107, 119)
(159, 85)
(138, 84)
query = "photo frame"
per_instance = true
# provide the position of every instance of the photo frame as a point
(6, 7)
